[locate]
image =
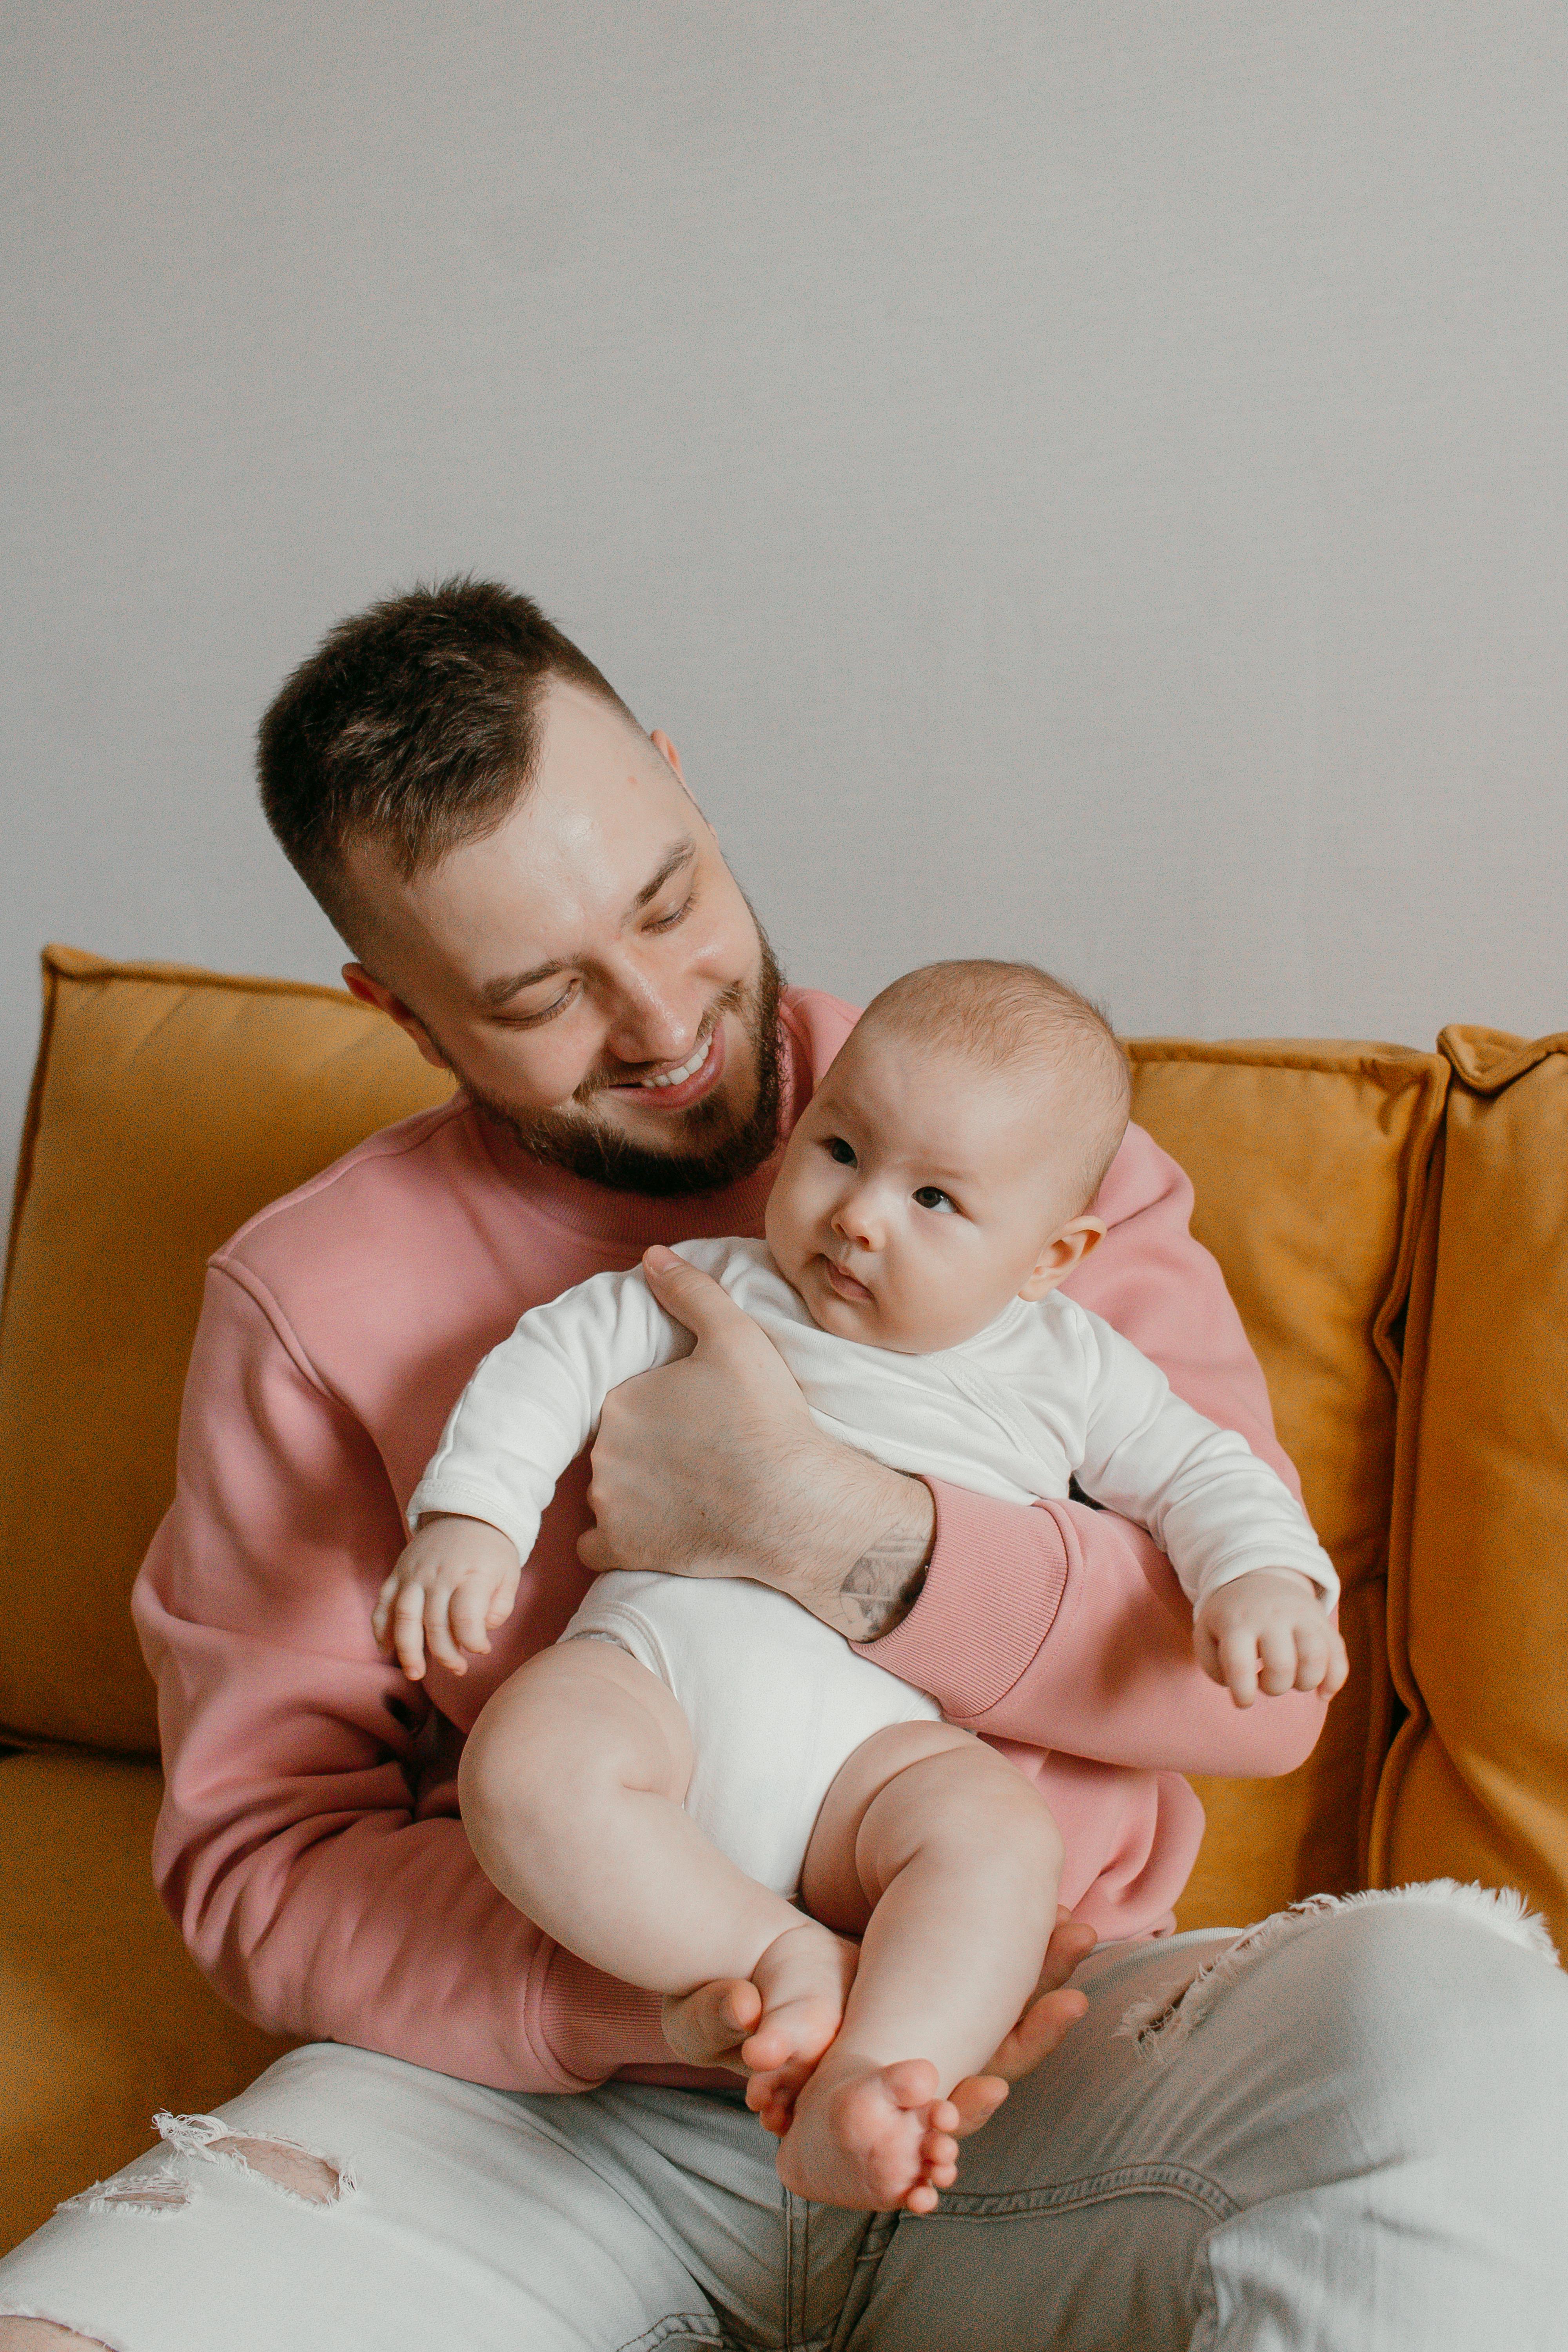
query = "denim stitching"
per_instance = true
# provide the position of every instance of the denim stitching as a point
(1130, 2180)
(695, 2328)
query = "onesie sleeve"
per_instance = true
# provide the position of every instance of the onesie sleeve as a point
(1212, 1507)
(1059, 1626)
(534, 1402)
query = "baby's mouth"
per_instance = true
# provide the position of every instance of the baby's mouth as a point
(845, 1283)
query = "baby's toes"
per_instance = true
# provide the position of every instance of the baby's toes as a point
(771, 2105)
(912, 2083)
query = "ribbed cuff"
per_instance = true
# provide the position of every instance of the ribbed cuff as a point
(997, 1574)
(590, 2024)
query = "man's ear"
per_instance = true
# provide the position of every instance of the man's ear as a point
(671, 757)
(376, 993)
(662, 744)
(1064, 1250)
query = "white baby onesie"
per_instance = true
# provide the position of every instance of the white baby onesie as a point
(776, 1701)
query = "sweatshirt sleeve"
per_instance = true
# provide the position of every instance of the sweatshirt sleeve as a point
(1214, 1508)
(1063, 1627)
(534, 1402)
(308, 1846)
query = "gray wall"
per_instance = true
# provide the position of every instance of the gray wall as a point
(1083, 479)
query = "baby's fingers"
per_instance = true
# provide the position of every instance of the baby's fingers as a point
(1278, 1646)
(1206, 1651)
(1339, 1670)
(409, 1631)
(471, 1619)
(1325, 1663)
(438, 1632)
(1239, 1657)
(503, 1599)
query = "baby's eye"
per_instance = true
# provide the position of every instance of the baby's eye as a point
(931, 1197)
(838, 1150)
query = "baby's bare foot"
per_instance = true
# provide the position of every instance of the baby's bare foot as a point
(873, 2137)
(804, 1978)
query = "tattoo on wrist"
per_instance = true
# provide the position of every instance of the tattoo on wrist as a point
(881, 1589)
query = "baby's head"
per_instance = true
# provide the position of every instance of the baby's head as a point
(949, 1160)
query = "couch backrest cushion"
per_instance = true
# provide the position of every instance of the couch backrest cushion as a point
(167, 1107)
(1477, 1784)
(1311, 1165)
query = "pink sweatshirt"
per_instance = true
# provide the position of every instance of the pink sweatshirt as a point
(309, 1844)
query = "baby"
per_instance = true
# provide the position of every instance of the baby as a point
(700, 1781)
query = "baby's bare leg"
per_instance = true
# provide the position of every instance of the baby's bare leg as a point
(955, 1857)
(572, 1786)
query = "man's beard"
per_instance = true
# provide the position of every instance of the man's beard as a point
(716, 1150)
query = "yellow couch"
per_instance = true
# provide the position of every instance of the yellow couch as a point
(1394, 1225)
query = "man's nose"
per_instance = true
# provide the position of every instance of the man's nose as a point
(649, 1022)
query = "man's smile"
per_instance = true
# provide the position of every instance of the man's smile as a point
(687, 1083)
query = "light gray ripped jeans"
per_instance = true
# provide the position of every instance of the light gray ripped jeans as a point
(1347, 2130)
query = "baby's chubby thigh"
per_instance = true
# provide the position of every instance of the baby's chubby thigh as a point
(559, 1755)
(839, 1883)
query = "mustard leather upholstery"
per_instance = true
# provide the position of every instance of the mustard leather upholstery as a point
(1394, 1225)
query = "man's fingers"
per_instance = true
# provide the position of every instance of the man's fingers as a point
(694, 1298)
(707, 2027)
(1071, 1941)
(975, 2100)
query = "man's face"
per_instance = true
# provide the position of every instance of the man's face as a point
(590, 971)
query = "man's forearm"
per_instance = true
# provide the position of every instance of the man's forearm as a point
(877, 1546)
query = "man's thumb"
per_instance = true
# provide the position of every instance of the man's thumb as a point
(693, 1296)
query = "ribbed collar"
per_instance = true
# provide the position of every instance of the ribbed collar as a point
(631, 1220)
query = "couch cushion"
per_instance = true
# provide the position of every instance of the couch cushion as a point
(1477, 1784)
(103, 2018)
(1310, 1163)
(168, 1106)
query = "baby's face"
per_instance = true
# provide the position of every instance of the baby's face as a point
(919, 1194)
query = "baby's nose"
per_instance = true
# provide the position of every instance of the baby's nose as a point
(855, 1221)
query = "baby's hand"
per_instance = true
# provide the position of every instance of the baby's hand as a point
(455, 1581)
(1269, 1630)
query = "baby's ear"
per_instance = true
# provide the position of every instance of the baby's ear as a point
(1066, 1249)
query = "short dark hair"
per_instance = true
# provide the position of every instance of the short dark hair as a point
(414, 724)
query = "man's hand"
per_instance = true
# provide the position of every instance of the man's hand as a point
(706, 2027)
(747, 1485)
(1269, 1630)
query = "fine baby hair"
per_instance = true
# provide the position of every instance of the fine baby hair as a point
(1018, 1019)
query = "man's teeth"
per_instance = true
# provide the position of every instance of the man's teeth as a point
(687, 1070)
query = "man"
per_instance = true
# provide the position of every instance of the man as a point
(1347, 2136)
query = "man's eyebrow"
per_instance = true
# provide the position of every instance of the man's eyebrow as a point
(680, 854)
(496, 992)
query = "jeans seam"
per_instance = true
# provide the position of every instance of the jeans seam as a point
(697, 2328)
(1130, 2180)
